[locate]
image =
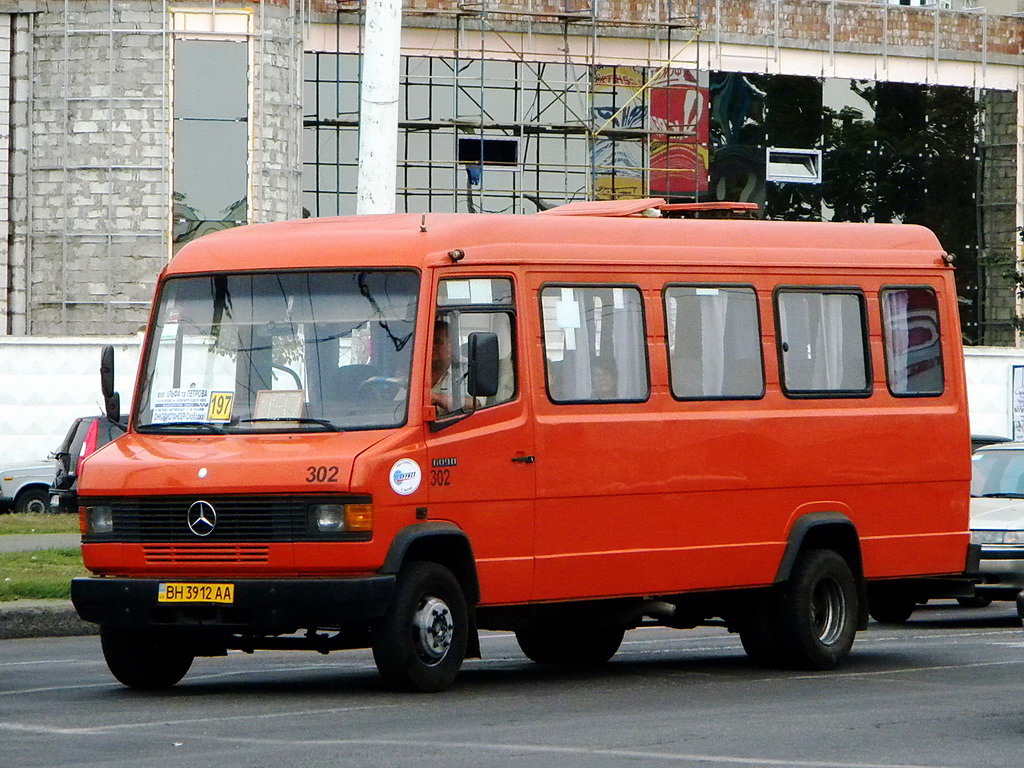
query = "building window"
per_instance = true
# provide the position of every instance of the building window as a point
(714, 342)
(211, 136)
(595, 344)
(822, 342)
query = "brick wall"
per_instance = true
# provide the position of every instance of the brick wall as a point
(803, 23)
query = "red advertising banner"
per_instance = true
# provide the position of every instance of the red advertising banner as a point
(679, 105)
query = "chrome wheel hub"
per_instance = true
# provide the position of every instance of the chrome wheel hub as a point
(434, 628)
(828, 610)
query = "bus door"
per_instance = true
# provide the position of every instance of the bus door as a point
(480, 470)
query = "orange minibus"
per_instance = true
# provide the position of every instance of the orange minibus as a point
(395, 431)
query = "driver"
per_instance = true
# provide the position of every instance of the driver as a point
(441, 367)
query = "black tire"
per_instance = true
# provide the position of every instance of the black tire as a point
(569, 644)
(891, 609)
(34, 501)
(756, 627)
(816, 612)
(975, 601)
(420, 643)
(147, 660)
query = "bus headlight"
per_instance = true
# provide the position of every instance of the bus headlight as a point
(329, 518)
(99, 520)
(342, 518)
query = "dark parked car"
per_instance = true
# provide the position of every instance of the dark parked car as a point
(979, 441)
(86, 435)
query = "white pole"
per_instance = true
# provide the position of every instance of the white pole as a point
(378, 107)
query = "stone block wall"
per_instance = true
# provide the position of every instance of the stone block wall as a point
(1000, 252)
(277, 116)
(99, 166)
(6, 22)
(100, 201)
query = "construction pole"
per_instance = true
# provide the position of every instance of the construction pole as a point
(378, 107)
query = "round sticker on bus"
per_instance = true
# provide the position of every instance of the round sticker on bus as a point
(405, 477)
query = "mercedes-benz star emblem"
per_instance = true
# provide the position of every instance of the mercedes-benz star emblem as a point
(202, 518)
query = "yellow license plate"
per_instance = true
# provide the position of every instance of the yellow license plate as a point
(195, 593)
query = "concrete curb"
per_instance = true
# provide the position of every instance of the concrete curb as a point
(42, 618)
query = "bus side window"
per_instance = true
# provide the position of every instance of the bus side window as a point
(714, 342)
(913, 343)
(823, 342)
(595, 344)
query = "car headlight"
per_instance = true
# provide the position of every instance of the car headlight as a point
(997, 537)
(99, 519)
(341, 518)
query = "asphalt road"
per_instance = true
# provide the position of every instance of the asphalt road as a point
(944, 691)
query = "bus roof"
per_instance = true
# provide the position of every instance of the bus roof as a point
(418, 240)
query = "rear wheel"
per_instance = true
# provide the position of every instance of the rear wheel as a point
(810, 621)
(420, 643)
(573, 644)
(141, 659)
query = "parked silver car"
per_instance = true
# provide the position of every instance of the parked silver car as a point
(25, 486)
(997, 519)
(51, 485)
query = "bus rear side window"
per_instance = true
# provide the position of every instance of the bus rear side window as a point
(714, 342)
(913, 345)
(823, 342)
(595, 344)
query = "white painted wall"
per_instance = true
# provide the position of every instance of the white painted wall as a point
(46, 383)
(989, 378)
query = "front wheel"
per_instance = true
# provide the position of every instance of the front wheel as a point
(33, 501)
(141, 659)
(420, 643)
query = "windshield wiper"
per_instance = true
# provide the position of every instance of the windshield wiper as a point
(174, 425)
(330, 426)
(1006, 495)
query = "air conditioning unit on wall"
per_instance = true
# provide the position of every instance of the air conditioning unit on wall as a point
(793, 166)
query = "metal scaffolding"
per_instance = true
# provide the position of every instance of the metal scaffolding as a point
(491, 126)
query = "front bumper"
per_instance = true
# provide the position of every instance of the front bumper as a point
(1001, 568)
(260, 607)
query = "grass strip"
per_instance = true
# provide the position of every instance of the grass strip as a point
(45, 573)
(27, 523)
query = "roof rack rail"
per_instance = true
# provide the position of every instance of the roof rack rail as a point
(716, 210)
(655, 207)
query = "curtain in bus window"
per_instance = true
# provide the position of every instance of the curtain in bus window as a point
(714, 342)
(595, 344)
(913, 348)
(823, 342)
(896, 348)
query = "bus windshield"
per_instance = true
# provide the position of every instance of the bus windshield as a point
(287, 351)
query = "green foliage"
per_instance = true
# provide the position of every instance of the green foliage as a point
(39, 575)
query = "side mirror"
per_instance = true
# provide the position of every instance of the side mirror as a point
(111, 399)
(482, 374)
